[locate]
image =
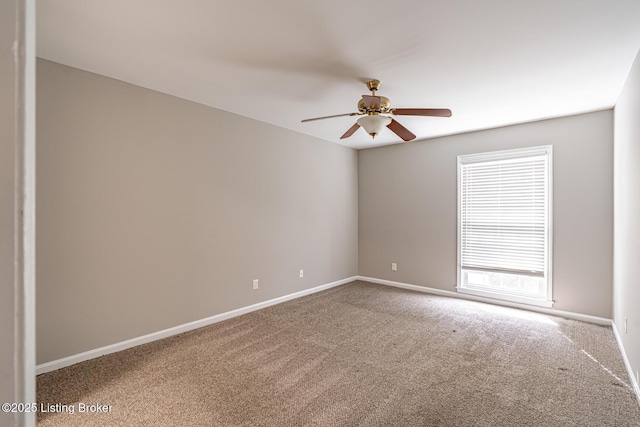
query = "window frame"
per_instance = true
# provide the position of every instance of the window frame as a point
(503, 155)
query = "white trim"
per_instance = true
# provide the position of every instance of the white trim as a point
(506, 297)
(630, 373)
(501, 155)
(451, 294)
(24, 336)
(154, 336)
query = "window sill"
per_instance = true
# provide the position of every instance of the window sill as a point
(506, 297)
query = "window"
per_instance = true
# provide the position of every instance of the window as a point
(504, 225)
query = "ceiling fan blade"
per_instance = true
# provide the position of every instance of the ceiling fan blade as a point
(371, 102)
(401, 131)
(350, 132)
(435, 112)
(329, 117)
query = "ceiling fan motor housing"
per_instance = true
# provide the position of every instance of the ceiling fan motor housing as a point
(383, 107)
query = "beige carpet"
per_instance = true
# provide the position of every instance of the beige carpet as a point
(359, 355)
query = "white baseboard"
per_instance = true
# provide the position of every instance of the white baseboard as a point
(549, 311)
(92, 354)
(627, 365)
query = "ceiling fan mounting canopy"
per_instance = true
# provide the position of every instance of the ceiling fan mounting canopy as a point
(373, 85)
(373, 106)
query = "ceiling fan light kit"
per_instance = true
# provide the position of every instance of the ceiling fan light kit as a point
(372, 108)
(373, 124)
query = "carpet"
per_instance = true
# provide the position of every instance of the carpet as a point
(359, 354)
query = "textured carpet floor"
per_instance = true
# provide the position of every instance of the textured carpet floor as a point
(359, 355)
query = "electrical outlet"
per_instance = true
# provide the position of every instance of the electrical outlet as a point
(394, 266)
(301, 273)
(255, 284)
(625, 324)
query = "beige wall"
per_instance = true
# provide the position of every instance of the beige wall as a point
(407, 207)
(626, 285)
(154, 211)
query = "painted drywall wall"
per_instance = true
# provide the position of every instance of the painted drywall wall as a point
(626, 287)
(407, 207)
(154, 211)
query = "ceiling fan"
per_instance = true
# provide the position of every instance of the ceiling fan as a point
(374, 110)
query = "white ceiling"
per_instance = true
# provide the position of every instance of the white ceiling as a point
(492, 62)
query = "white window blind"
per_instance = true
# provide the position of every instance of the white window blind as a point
(504, 211)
